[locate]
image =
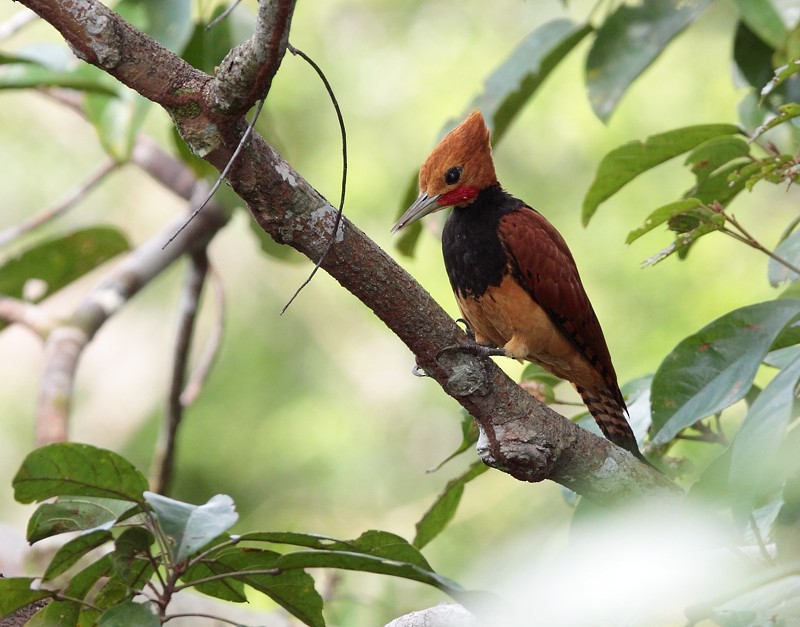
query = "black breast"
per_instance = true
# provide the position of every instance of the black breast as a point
(473, 254)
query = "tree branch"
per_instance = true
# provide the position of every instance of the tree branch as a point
(521, 436)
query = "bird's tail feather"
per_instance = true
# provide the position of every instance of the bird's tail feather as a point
(610, 417)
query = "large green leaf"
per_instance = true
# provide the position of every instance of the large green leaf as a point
(191, 527)
(628, 42)
(67, 613)
(754, 462)
(16, 593)
(292, 589)
(620, 166)
(374, 543)
(128, 614)
(73, 514)
(767, 19)
(788, 250)
(506, 90)
(68, 555)
(61, 260)
(441, 512)
(663, 214)
(72, 469)
(714, 368)
(368, 564)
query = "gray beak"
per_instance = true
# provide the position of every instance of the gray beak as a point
(422, 206)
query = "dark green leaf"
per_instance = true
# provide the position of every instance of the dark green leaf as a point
(117, 590)
(627, 44)
(764, 19)
(753, 471)
(753, 57)
(73, 514)
(293, 589)
(367, 564)
(623, 164)
(67, 613)
(128, 614)
(227, 589)
(707, 158)
(207, 47)
(130, 548)
(75, 549)
(444, 507)
(661, 215)
(789, 250)
(786, 112)
(71, 469)
(16, 593)
(509, 87)
(374, 543)
(714, 368)
(61, 260)
(782, 74)
(191, 527)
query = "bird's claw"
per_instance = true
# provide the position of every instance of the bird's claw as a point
(473, 348)
(417, 371)
(467, 328)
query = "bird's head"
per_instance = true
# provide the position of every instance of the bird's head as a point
(455, 172)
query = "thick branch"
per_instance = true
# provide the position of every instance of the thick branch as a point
(521, 436)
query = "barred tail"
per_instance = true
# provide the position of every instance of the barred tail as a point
(609, 413)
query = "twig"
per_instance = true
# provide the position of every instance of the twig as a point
(16, 23)
(762, 548)
(65, 343)
(238, 575)
(343, 131)
(16, 311)
(210, 351)
(218, 619)
(65, 204)
(228, 10)
(164, 459)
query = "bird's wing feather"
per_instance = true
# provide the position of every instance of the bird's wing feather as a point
(545, 268)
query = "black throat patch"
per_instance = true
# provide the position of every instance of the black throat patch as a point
(474, 256)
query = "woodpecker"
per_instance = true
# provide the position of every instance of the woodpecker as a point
(513, 276)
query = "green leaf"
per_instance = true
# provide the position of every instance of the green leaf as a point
(661, 215)
(74, 514)
(714, 368)
(61, 260)
(786, 112)
(506, 90)
(227, 589)
(169, 22)
(16, 593)
(293, 589)
(754, 473)
(375, 543)
(444, 507)
(71, 469)
(708, 157)
(368, 564)
(627, 44)
(191, 527)
(509, 87)
(128, 614)
(130, 548)
(68, 555)
(67, 613)
(789, 250)
(782, 74)
(469, 436)
(623, 164)
(764, 19)
(31, 75)
(117, 119)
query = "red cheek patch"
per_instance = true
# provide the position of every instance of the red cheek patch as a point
(458, 196)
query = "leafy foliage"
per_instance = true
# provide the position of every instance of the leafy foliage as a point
(188, 544)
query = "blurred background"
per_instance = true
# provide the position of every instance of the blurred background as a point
(312, 421)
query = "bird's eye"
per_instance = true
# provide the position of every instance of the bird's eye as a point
(452, 175)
